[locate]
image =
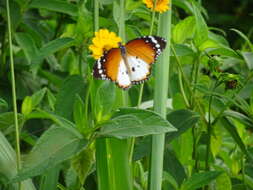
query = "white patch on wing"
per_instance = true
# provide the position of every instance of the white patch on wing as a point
(123, 78)
(139, 68)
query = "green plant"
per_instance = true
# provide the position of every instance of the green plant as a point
(189, 127)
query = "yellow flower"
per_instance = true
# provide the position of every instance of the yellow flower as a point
(161, 5)
(103, 41)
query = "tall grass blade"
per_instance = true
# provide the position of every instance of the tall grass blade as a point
(13, 85)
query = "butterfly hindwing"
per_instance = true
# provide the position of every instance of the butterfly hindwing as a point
(123, 77)
(140, 70)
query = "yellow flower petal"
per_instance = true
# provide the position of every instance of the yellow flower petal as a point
(103, 40)
(161, 5)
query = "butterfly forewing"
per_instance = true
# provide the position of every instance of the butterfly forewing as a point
(111, 67)
(141, 53)
(107, 66)
(147, 48)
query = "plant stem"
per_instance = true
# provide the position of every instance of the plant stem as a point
(14, 92)
(209, 128)
(122, 35)
(150, 33)
(181, 74)
(195, 80)
(160, 97)
(96, 14)
(122, 21)
(207, 167)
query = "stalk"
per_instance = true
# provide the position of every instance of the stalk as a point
(160, 96)
(150, 33)
(122, 35)
(209, 127)
(119, 150)
(96, 14)
(102, 160)
(14, 93)
(207, 167)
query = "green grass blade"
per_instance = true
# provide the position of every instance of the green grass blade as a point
(13, 85)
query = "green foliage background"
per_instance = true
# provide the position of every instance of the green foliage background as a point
(70, 123)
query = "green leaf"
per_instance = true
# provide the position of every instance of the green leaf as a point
(15, 14)
(223, 182)
(131, 122)
(216, 140)
(239, 116)
(183, 50)
(8, 164)
(50, 179)
(244, 37)
(66, 97)
(208, 44)
(84, 26)
(79, 114)
(230, 127)
(105, 98)
(183, 30)
(83, 162)
(53, 78)
(201, 34)
(198, 180)
(56, 5)
(223, 50)
(40, 114)
(174, 167)
(27, 105)
(182, 120)
(38, 96)
(3, 103)
(248, 58)
(28, 45)
(56, 145)
(7, 120)
(52, 47)
(116, 12)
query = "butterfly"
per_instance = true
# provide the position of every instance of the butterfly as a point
(129, 64)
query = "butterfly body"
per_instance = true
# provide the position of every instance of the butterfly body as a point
(129, 64)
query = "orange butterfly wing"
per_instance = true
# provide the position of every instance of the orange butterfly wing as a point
(142, 53)
(147, 48)
(107, 66)
(112, 67)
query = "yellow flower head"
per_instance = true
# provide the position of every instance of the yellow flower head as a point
(161, 5)
(103, 41)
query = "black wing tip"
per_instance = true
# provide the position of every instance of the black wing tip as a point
(157, 43)
(99, 70)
